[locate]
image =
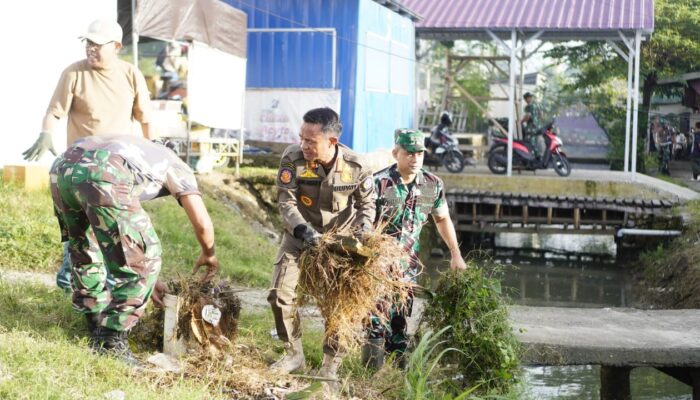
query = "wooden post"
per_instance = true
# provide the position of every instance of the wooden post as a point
(29, 177)
(605, 219)
(448, 81)
(615, 383)
(525, 215)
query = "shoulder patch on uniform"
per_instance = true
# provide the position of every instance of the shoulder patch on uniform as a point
(286, 173)
(368, 183)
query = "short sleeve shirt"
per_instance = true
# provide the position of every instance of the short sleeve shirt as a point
(405, 208)
(158, 171)
(100, 102)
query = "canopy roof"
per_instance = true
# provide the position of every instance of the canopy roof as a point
(559, 19)
(209, 21)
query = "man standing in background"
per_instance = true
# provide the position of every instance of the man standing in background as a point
(99, 95)
(695, 151)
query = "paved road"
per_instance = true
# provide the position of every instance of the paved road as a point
(680, 170)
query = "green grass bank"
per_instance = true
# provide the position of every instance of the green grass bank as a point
(30, 237)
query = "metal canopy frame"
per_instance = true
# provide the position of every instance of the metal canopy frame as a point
(507, 40)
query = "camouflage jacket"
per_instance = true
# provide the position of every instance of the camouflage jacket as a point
(535, 111)
(405, 208)
(157, 170)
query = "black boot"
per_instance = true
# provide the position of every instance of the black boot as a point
(91, 320)
(115, 344)
(93, 331)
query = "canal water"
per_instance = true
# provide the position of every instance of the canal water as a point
(570, 271)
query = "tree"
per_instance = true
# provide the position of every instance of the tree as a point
(672, 50)
(473, 77)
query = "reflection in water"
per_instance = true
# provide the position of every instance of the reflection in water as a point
(569, 271)
(559, 271)
(582, 382)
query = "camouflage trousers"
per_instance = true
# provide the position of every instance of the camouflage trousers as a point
(390, 319)
(107, 230)
(390, 322)
(664, 158)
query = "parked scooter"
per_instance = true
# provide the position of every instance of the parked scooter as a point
(443, 148)
(524, 156)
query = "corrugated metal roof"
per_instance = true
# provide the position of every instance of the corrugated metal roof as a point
(396, 6)
(549, 15)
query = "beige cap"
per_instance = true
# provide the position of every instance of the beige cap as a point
(103, 31)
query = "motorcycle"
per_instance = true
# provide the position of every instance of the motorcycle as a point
(524, 156)
(443, 148)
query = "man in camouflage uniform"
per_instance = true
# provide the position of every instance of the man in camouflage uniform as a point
(532, 125)
(664, 140)
(406, 196)
(322, 185)
(97, 187)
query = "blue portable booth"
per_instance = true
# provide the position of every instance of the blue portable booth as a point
(356, 56)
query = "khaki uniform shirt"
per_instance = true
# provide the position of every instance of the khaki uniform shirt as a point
(343, 198)
(99, 102)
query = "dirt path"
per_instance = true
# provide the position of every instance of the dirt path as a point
(252, 299)
(27, 277)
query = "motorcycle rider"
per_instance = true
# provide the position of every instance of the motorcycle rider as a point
(533, 126)
(440, 131)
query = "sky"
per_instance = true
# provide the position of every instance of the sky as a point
(40, 39)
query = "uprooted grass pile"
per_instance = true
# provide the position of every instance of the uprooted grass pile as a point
(470, 302)
(346, 278)
(210, 355)
(207, 317)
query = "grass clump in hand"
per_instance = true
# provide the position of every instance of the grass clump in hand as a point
(470, 302)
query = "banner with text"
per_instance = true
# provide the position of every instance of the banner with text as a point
(274, 115)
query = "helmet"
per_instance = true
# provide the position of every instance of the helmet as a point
(446, 118)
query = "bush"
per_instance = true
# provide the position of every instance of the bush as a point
(488, 352)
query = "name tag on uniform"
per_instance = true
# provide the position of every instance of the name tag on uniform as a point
(344, 188)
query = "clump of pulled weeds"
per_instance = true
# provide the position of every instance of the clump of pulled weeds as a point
(207, 318)
(471, 303)
(347, 279)
(209, 352)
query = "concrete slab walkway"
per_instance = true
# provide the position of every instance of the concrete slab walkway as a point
(608, 336)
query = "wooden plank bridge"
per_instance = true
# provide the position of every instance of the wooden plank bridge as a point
(489, 211)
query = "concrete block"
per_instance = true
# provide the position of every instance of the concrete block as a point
(29, 177)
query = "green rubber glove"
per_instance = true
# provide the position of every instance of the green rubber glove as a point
(39, 147)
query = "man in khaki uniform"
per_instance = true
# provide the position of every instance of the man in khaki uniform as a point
(322, 185)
